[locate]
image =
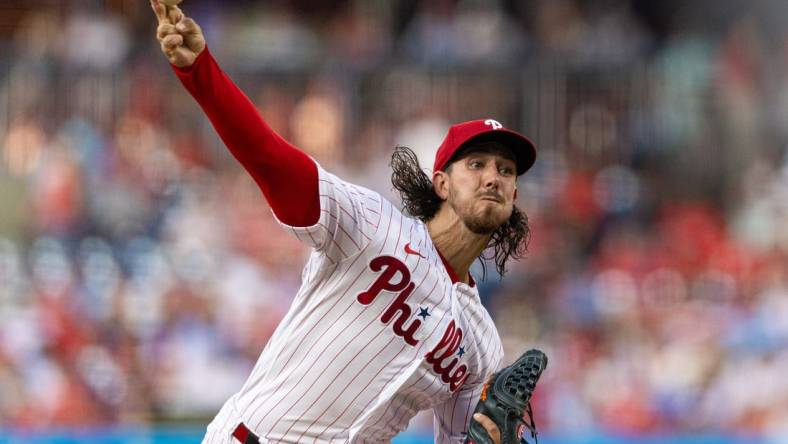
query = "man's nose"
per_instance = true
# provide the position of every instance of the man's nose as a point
(492, 179)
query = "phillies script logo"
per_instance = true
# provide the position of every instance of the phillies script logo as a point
(446, 348)
(391, 267)
(395, 277)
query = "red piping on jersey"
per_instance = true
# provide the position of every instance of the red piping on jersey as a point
(286, 176)
(452, 273)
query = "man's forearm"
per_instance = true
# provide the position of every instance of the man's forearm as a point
(286, 175)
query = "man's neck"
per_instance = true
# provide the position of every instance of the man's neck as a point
(458, 245)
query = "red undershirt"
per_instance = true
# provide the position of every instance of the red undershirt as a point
(287, 177)
(285, 174)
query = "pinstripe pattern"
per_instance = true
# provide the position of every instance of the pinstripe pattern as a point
(333, 371)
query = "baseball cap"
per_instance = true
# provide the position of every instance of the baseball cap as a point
(485, 130)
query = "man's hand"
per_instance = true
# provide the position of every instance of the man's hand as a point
(180, 37)
(490, 426)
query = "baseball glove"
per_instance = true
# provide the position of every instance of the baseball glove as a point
(506, 399)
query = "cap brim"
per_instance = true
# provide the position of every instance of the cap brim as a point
(524, 150)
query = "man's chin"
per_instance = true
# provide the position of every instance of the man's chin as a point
(486, 224)
(482, 229)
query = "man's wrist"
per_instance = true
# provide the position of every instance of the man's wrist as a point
(192, 67)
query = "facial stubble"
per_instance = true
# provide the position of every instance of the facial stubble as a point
(483, 223)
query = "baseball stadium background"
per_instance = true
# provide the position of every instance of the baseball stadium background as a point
(141, 271)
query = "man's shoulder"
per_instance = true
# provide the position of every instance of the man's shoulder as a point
(370, 198)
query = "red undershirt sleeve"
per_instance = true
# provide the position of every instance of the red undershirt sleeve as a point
(287, 177)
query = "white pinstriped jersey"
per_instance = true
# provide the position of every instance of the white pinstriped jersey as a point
(377, 333)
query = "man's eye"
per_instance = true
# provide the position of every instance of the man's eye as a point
(506, 171)
(475, 164)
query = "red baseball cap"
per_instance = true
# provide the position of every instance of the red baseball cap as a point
(485, 130)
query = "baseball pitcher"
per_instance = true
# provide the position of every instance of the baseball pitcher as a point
(388, 320)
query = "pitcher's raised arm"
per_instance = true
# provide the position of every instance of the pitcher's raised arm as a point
(287, 177)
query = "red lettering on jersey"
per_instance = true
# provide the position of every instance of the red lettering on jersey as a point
(446, 348)
(399, 308)
(392, 265)
(404, 310)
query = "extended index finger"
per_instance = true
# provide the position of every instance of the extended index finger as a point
(160, 10)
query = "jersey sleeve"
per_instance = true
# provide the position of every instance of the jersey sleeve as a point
(451, 418)
(349, 218)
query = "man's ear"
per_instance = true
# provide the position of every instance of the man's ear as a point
(440, 183)
(515, 193)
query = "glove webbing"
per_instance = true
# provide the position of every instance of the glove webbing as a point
(518, 383)
(506, 399)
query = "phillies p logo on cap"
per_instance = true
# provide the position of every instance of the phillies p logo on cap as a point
(485, 130)
(493, 123)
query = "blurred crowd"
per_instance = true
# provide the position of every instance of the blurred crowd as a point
(141, 271)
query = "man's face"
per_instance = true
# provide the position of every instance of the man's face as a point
(481, 189)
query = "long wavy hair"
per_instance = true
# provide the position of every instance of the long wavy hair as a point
(420, 200)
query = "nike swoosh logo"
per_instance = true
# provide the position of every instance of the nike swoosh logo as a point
(409, 250)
